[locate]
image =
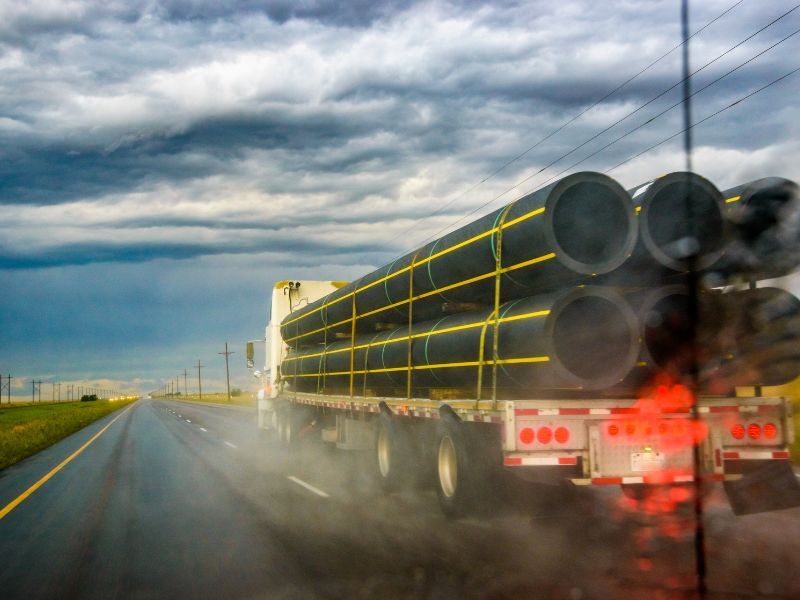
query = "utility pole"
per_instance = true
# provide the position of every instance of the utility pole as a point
(227, 372)
(185, 389)
(199, 380)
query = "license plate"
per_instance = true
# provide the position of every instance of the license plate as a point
(647, 461)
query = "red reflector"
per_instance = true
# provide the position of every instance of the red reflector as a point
(737, 431)
(567, 460)
(510, 461)
(754, 431)
(770, 431)
(526, 435)
(613, 429)
(545, 435)
(562, 435)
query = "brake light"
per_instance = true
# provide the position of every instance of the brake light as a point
(754, 431)
(526, 435)
(770, 431)
(545, 435)
(562, 435)
(737, 431)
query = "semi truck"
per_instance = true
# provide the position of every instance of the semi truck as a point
(563, 338)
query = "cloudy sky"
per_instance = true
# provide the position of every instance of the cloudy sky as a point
(162, 163)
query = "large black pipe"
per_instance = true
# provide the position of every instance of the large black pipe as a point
(681, 226)
(579, 226)
(743, 338)
(584, 339)
(765, 323)
(765, 219)
(667, 335)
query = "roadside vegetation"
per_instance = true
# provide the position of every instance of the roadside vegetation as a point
(237, 399)
(27, 428)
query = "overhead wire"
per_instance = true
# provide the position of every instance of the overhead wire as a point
(569, 121)
(704, 119)
(666, 110)
(609, 127)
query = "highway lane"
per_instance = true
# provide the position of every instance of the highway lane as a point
(193, 501)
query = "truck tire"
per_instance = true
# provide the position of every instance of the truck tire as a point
(395, 454)
(461, 469)
(291, 421)
(281, 424)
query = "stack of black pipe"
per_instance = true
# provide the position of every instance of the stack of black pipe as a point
(593, 296)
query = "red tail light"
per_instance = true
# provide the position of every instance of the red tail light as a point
(630, 428)
(526, 435)
(754, 431)
(737, 431)
(770, 431)
(562, 435)
(613, 429)
(545, 435)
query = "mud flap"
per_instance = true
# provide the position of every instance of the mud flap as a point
(766, 485)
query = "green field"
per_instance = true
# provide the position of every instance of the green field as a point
(245, 399)
(25, 429)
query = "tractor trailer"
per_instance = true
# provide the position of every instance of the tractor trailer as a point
(584, 333)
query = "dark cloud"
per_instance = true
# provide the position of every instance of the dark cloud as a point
(141, 137)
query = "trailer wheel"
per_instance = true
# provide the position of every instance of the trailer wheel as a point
(394, 454)
(461, 468)
(282, 427)
(291, 421)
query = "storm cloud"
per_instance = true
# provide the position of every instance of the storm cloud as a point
(283, 135)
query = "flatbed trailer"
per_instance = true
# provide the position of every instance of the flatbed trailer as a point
(463, 444)
(629, 442)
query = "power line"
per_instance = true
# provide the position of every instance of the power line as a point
(569, 121)
(227, 372)
(663, 112)
(704, 119)
(614, 124)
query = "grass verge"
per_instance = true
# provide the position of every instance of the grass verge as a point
(25, 430)
(245, 399)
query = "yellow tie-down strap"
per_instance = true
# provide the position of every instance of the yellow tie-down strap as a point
(492, 273)
(422, 261)
(530, 315)
(506, 361)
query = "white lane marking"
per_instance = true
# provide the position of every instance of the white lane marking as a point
(229, 445)
(308, 486)
(204, 429)
(188, 421)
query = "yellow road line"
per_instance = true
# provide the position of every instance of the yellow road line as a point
(21, 498)
(734, 199)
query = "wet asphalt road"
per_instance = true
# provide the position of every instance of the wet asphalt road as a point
(184, 500)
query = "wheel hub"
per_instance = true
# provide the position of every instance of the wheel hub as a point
(448, 467)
